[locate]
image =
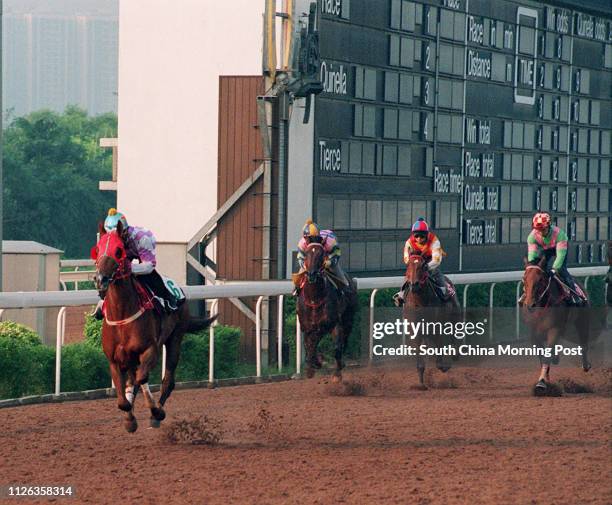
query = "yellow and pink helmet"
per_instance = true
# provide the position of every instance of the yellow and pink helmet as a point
(541, 221)
(311, 229)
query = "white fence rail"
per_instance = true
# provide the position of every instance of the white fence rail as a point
(261, 290)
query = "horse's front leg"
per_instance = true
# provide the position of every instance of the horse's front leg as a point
(123, 402)
(420, 362)
(552, 336)
(340, 338)
(312, 362)
(148, 360)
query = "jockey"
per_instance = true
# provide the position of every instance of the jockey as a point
(551, 241)
(425, 242)
(140, 245)
(312, 233)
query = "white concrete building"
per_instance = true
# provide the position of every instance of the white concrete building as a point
(171, 54)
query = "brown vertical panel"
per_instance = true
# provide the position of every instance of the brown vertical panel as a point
(239, 241)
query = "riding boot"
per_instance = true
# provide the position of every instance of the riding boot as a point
(98, 313)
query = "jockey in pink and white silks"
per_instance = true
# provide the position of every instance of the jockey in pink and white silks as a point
(140, 245)
(327, 238)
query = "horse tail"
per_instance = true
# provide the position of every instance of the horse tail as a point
(120, 356)
(196, 324)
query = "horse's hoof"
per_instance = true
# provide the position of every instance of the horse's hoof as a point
(158, 414)
(337, 378)
(130, 425)
(419, 387)
(310, 373)
(444, 368)
(154, 423)
(586, 366)
(540, 388)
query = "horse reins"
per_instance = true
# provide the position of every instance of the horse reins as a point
(121, 272)
(315, 305)
(529, 267)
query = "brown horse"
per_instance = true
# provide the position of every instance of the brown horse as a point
(132, 336)
(548, 317)
(421, 302)
(322, 309)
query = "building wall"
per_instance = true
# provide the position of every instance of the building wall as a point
(32, 272)
(239, 235)
(300, 176)
(170, 58)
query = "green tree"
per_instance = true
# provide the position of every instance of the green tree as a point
(52, 166)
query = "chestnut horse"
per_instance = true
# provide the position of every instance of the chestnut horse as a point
(421, 302)
(132, 336)
(548, 317)
(322, 309)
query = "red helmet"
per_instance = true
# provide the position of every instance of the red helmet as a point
(541, 221)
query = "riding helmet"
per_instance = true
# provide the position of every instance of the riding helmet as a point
(311, 229)
(113, 218)
(420, 226)
(541, 221)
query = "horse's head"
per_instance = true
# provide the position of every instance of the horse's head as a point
(536, 282)
(314, 261)
(416, 272)
(111, 259)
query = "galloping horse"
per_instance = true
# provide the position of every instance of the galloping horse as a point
(321, 310)
(132, 336)
(545, 312)
(422, 302)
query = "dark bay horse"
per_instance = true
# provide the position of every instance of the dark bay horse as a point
(322, 310)
(132, 336)
(422, 303)
(545, 312)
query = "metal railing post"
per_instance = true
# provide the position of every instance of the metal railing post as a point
(465, 290)
(59, 340)
(211, 344)
(372, 302)
(258, 335)
(518, 312)
(279, 332)
(586, 283)
(298, 346)
(491, 289)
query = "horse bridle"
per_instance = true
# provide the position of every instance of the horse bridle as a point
(530, 267)
(121, 270)
(315, 305)
(313, 246)
(408, 285)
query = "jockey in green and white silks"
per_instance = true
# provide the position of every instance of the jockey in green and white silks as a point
(551, 241)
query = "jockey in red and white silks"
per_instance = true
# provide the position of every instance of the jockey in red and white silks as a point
(424, 242)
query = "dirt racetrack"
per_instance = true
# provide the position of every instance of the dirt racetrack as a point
(476, 436)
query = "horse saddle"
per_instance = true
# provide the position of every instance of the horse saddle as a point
(572, 296)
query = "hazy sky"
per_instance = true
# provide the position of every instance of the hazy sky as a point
(62, 7)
